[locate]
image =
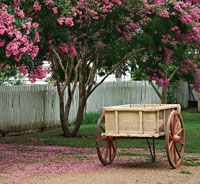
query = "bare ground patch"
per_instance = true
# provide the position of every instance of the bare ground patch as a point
(57, 164)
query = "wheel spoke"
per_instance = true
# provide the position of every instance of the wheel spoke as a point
(170, 137)
(173, 125)
(175, 159)
(110, 152)
(101, 138)
(103, 148)
(170, 144)
(177, 150)
(106, 154)
(113, 147)
(177, 123)
(102, 128)
(179, 131)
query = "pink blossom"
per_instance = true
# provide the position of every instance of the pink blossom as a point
(34, 51)
(184, 70)
(2, 43)
(96, 18)
(166, 82)
(73, 51)
(21, 14)
(37, 36)
(174, 28)
(35, 25)
(18, 57)
(118, 29)
(37, 6)
(144, 58)
(61, 20)
(92, 12)
(69, 22)
(100, 44)
(22, 69)
(28, 25)
(47, 2)
(148, 77)
(168, 54)
(55, 10)
(164, 14)
(23, 26)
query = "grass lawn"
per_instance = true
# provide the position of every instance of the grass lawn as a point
(191, 121)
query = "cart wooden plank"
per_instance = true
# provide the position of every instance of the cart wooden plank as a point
(135, 120)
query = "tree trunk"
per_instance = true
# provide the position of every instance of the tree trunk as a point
(79, 116)
(65, 128)
(198, 102)
(164, 95)
(67, 109)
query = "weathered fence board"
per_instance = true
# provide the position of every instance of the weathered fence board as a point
(112, 93)
(37, 106)
(28, 107)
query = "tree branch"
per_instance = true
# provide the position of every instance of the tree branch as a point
(60, 61)
(156, 90)
(127, 56)
(173, 73)
(92, 71)
(55, 67)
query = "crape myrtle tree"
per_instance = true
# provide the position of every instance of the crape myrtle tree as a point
(73, 35)
(18, 43)
(171, 39)
(79, 37)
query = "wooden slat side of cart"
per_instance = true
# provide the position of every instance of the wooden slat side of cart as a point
(149, 121)
(137, 120)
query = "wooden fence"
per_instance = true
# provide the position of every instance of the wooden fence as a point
(37, 106)
(135, 92)
(28, 107)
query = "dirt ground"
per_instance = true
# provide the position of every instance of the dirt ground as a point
(128, 172)
(126, 175)
(29, 164)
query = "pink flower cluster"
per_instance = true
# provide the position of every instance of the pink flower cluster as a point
(67, 21)
(156, 75)
(37, 6)
(167, 55)
(19, 44)
(38, 73)
(197, 82)
(189, 65)
(159, 82)
(164, 14)
(22, 69)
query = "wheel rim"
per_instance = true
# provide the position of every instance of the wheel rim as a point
(106, 146)
(175, 139)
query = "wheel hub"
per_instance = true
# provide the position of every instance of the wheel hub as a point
(176, 138)
(110, 139)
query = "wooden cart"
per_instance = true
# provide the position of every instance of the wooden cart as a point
(152, 121)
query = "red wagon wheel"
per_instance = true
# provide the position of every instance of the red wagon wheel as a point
(106, 145)
(175, 139)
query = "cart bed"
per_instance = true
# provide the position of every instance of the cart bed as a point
(137, 120)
